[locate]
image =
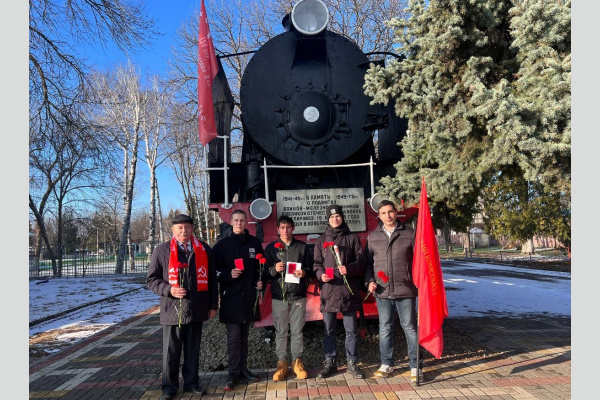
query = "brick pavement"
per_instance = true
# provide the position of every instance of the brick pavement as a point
(530, 359)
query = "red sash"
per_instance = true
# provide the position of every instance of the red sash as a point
(201, 265)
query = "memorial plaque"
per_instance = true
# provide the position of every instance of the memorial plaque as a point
(307, 208)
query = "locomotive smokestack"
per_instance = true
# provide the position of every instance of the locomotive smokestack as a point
(287, 22)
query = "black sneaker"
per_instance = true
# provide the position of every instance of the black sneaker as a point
(354, 370)
(329, 368)
(231, 383)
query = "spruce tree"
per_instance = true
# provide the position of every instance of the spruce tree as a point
(485, 86)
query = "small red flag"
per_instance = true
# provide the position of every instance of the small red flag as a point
(427, 277)
(207, 70)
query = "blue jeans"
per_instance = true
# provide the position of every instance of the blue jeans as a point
(408, 320)
(350, 326)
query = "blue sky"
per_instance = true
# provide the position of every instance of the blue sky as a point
(168, 16)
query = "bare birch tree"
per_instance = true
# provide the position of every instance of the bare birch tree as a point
(121, 111)
(154, 130)
(187, 159)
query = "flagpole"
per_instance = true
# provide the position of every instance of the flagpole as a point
(418, 345)
(428, 278)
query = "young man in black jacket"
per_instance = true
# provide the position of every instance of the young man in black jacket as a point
(288, 302)
(389, 250)
(182, 272)
(239, 280)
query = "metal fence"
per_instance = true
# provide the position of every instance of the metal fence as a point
(83, 262)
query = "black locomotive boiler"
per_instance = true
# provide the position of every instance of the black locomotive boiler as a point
(307, 124)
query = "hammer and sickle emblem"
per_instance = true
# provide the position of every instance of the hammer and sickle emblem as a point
(202, 271)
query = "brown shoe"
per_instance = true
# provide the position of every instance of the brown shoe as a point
(282, 370)
(299, 369)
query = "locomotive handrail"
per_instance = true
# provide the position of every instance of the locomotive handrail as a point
(387, 53)
(226, 204)
(370, 164)
(236, 54)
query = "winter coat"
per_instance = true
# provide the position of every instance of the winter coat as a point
(393, 256)
(297, 251)
(335, 295)
(238, 296)
(195, 305)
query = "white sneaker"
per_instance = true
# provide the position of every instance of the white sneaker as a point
(413, 374)
(384, 371)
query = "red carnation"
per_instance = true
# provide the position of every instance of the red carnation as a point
(259, 256)
(262, 260)
(381, 278)
(381, 275)
(279, 245)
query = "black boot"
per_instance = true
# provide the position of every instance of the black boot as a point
(329, 368)
(354, 370)
(249, 376)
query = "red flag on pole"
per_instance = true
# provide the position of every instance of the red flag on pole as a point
(427, 277)
(207, 70)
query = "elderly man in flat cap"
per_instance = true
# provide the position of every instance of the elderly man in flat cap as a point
(182, 272)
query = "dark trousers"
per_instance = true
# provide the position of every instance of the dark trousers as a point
(175, 339)
(237, 348)
(351, 329)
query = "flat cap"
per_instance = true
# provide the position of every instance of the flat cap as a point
(181, 218)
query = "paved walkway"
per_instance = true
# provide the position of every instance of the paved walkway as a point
(531, 360)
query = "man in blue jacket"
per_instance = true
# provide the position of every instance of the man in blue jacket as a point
(239, 280)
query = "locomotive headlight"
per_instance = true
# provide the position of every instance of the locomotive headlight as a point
(260, 209)
(374, 201)
(310, 16)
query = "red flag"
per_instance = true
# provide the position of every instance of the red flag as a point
(427, 277)
(207, 70)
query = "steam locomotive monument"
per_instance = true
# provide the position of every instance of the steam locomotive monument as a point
(308, 138)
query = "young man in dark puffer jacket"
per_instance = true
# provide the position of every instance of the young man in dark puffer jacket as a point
(340, 294)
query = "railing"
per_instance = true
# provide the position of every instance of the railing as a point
(82, 263)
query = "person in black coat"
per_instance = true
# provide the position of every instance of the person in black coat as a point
(239, 280)
(340, 293)
(182, 271)
(288, 299)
